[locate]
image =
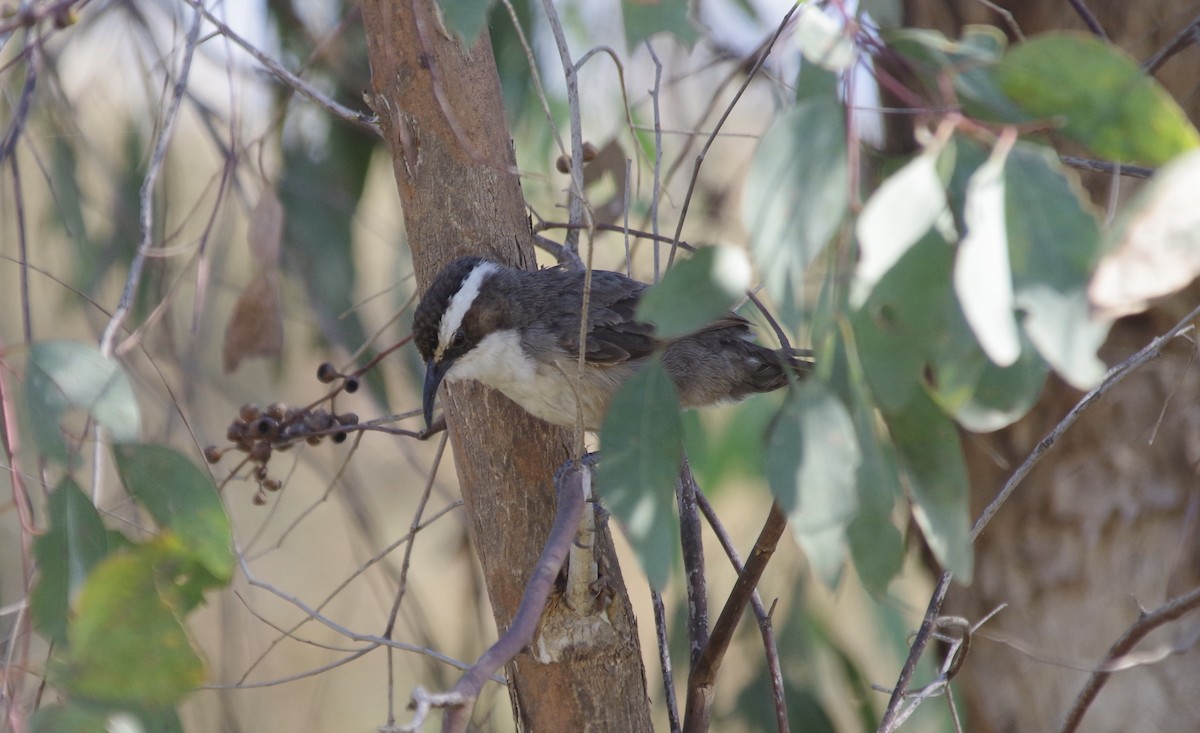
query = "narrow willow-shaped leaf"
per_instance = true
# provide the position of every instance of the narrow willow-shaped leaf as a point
(641, 446)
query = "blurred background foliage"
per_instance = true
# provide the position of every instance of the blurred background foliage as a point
(856, 255)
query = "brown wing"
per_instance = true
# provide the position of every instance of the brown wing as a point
(613, 334)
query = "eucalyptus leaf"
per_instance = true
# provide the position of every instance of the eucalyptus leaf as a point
(641, 445)
(1100, 94)
(797, 191)
(66, 553)
(812, 461)
(982, 274)
(465, 18)
(1154, 247)
(182, 499)
(931, 456)
(65, 375)
(645, 19)
(696, 291)
(904, 207)
(127, 639)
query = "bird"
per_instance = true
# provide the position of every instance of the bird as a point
(518, 331)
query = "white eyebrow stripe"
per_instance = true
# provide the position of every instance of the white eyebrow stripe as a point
(461, 303)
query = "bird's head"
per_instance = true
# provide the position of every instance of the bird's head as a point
(451, 320)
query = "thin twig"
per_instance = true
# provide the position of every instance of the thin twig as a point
(316, 96)
(1089, 18)
(1146, 623)
(570, 483)
(664, 658)
(1181, 41)
(698, 708)
(402, 585)
(891, 716)
(692, 542)
(658, 156)
(1111, 379)
(765, 627)
(1104, 166)
(575, 199)
(687, 200)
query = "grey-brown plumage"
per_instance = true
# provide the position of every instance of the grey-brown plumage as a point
(518, 331)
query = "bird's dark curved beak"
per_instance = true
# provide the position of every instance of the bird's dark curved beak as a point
(434, 372)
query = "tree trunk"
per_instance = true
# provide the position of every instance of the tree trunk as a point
(1108, 523)
(442, 115)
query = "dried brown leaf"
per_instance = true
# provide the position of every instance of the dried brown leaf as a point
(265, 234)
(256, 326)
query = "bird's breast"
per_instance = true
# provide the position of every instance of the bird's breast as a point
(546, 389)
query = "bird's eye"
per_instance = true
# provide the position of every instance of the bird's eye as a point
(458, 339)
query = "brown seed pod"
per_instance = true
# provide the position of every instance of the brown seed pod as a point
(278, 410)
(266, 428)
(347, 418)
(339, 437)
(213, 454)
(326, 373)
(261, 452)
(249, 412)
(260, 498)
(351, 385)
(236, 432)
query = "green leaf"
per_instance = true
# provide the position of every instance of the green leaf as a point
(812, 460)
(982, 274)
(127, 642)
(696, 291)
(797, 191)
(465, 18)
(61, 375)
(1105, 100)
(823, 38)
(78, 716)
(904, 321)
(931, 456)
(182, 499)
(875, 543)
(644, 18)
(1054, 246)
(904, 207)
(642, 446)
(76, 541)
(1153, 250)
(69, 718)
(968, 64)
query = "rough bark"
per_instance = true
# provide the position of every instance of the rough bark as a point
(442, 115)
(1109, 521)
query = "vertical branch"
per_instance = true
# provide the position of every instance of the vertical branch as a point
(658, 155)
(698, 708)
(693, 562)
(664, 658)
